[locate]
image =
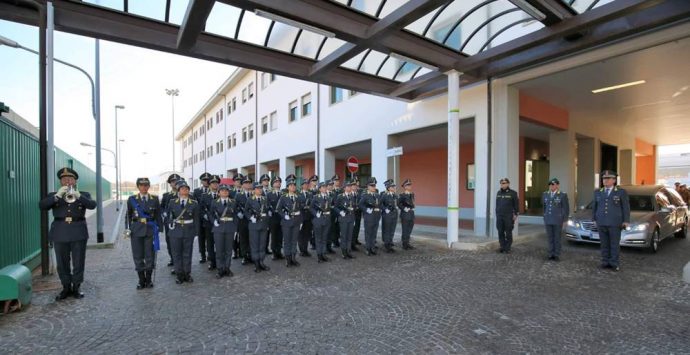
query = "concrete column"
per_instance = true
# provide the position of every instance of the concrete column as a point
(562, 161)
(326, 165)
(586, 168)
(626, 162)
(506, 140)
(453, 156)
(379, 161)
(481, 170)
(287, 167)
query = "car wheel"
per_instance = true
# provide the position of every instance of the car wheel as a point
(683, 232)
(654, 242)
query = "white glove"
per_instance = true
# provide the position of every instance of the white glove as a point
(388, 211)
(253, 219)
(215, 223)
(206, 217)
(406, 209)
(270, 214)
(318, 214)
(240, 215)
(287, 217)
(342, 213)
(369, 210)
(61, 192)
(165, 215)
(76, 194)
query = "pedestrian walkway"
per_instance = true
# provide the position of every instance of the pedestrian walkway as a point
(428, 300)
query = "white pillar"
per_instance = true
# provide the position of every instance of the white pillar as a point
(453, 155)
(562, 162)
(287, 167)
(481, 170)
(326, 165)
(379, 161)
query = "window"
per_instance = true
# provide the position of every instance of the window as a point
(274, 120)
(244, 95)
(229, 108)
(244, 134)
(216, 117)
(251, 131)
(195, 135)
(229, 141)
(217, 147)
(202, 155)
(336, 95)
(234, 139)
(251, 90)
(264, 124)
(292, 113)
(221, 114)
(266, 79)
(234, 104)
(221, 145)
(306, 105)
(353, 93)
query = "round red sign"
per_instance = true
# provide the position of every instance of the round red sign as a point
(352, 164)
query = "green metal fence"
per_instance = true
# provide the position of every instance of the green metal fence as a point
(20, 190)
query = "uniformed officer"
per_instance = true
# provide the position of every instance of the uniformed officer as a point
(265, 181)
(274, 230)
(256, 210)
(223, 213)
(198, 196)
(507, 209)
(357, 193)
(406, 204)
(370, 204)
(389, 217)
(344, 207)
(556, 211)
(289, 210)
(207, 221)
(243, 220)
(144, 221)
(305, 233)
(184, 222)
(68, 232)
(170, 195)
(321, 205)
(234, 190)
(611, 211)
(334, 236)
(314, 189)
(237, 185)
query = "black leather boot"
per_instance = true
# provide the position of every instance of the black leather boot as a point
(142, 280)
(188, 277)
(349, 255)
(147, 277)
(66, 292)
(75, 291)
(288, 260)
(257, 266)
(294, 260)
(263, 266)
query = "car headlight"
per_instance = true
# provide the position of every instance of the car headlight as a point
(572, 223)
(637, 227)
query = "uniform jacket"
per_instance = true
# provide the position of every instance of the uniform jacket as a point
(241, 198)
(166, 199)
(305, 201)
(258, 208)
(406, 200)
(556, 208)
(196, 194)
(61, 230)
(206, 201)
(612, 210)
(273, 196)
(321, 204)
(389, 201)
(191, 212)
(370, 201)
(507, 202)
(139, 225)
(345, 203)
(217, 211)
(289, 206)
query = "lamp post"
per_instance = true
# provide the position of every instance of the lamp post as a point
(172, 93)
(119, 157)
(117, 161)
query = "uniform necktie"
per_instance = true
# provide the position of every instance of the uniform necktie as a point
(608, 192)
(225, 203)
(551, 194)
(182, 203)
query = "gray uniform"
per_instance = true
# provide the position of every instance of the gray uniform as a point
(389, 217)
(141, 228)
(207, 224)
(321, 211)
(69, 234)
(289, 210)
(274, 224)
(345, 209)
(167, 197)
(198, 196)
(185, 225)
(223, 213)
(370, 204)
(257, 207)
(243, 224)
(610, 211)
(406, 205)
(306, 229)
(556, 211)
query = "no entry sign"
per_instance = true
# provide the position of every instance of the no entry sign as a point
(352, 164)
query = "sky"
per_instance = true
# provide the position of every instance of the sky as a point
(130, 76)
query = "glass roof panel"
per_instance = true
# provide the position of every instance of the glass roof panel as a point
(282, 36)
(390, 6)
(329, 47)
(154, 9)
(390, 67)
(372, 62)
(353, 63)
(368, 7)
(405, 73)
(254, 28)
(177, 10)
(308, 44)
(223, 20)
(374, 8)
(111, 4)
(584, 5)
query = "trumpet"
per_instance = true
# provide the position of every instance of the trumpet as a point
(70, 197)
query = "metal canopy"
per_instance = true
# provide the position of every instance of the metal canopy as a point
(392, 48)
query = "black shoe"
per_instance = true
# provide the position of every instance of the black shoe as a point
(170, 263)
(294, 261)
(354, 248)
(390, 249)
(220, 275)
(556, 259)
(288, 261)
(147, 278)
(202, 260)
(507, 251)
(305, 254)
(66, 292)
(142, 280)
(179, 279)
(76, 293)
(319, 258)
(349, 255)
(369, 252)
(189, 278)
(263, 266)
(229, 273)
(500, 251)
(373, 252)
(615, 268)
(344, 253)
(257, 267)
(212, 267)
(235, 256)
(312, 247)
(172, 272)
(336, 244)
(550, 257)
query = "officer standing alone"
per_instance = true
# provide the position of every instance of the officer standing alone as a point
(611, 211)
(507, 209)
(69, 232)
(556, 211)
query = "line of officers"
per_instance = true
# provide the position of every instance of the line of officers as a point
(243, 220)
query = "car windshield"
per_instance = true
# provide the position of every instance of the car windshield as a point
(641, 203)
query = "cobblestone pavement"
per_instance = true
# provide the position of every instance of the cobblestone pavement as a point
(423, 301)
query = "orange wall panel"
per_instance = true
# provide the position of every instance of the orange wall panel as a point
(543, 113)
(645, 171)
(643, 148)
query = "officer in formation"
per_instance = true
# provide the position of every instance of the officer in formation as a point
(223, 213)
(171, 195)
(357, 215)
(68, 232)
(334, 190)
(370, 204)
(275, 230)
(184, 224)
(507, 209)
(243, 224)
(234, 190)
(198, 196)
(345, 208)
(305, 233)
(143, 223)
(389, 217)
(556, 211)
(611, 211)
(256, 210)
(207, 221)
(406, 205)
(289, 210)
(314, 189)
(321, 205)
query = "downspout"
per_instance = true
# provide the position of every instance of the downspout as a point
(489, 144)
(318, 129)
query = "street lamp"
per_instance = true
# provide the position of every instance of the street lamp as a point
(119, 157)
(172, 93)
(117, 162)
